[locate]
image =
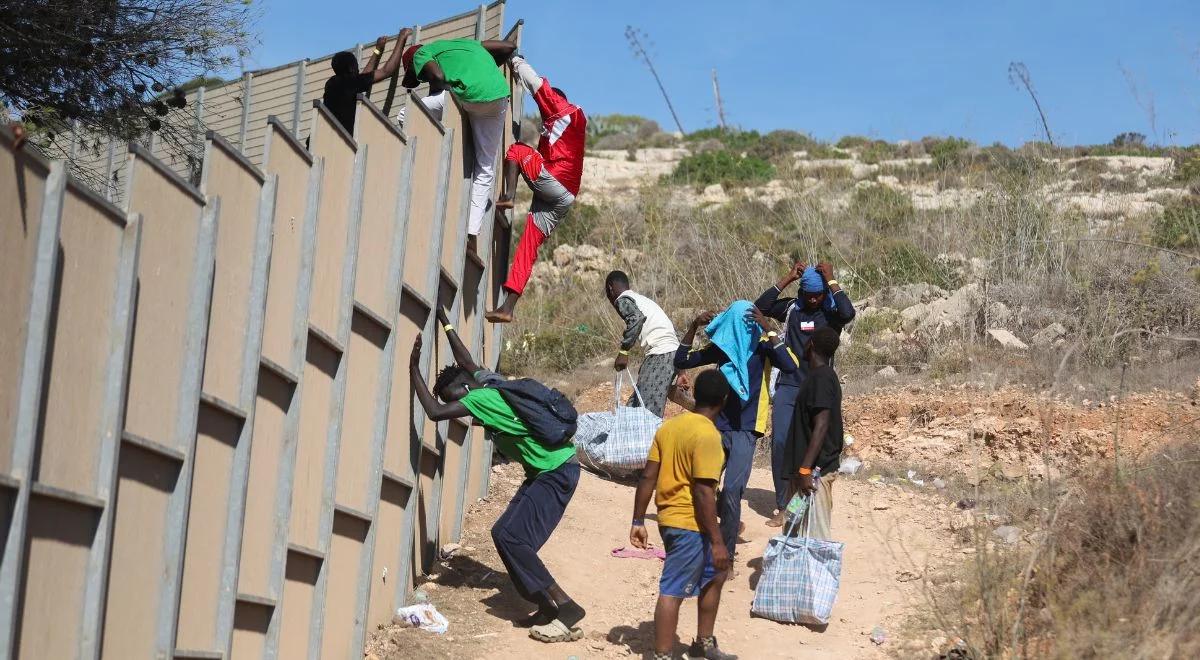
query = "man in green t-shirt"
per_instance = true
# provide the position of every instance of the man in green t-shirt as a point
(551, 475)
(469, 69)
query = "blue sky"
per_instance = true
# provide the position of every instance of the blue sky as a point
(887, 69)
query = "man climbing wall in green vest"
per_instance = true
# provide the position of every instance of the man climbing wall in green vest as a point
(470, 70)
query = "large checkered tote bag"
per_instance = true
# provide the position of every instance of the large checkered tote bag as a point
(617, 442)
(800, 578)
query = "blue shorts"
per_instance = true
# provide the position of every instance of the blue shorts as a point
(689, 564)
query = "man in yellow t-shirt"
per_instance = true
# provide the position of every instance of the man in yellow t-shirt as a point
(682, 471)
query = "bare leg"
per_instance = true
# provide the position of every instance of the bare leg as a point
(504, 313)
(666, 620)
(707, 605)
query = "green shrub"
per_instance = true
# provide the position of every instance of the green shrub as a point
(620, 131)
(948, 153)
(882, 207)
(722, 167)
(853, 141)
(1179, 225)
(898, 261)
(876, 151)
(782, 144)
(822, 151)
(873, 324)
(771, 146)
(1188, 167)
(730, 138)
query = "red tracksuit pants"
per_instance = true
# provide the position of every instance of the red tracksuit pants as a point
(527, 252)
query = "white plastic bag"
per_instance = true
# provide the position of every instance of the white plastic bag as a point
(424, 616)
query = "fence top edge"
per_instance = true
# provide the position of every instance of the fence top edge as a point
(35, 155)
(311, 60)
(233, 152)
(137, 151)
(374, 110)
(415, 100)
(292, 140)
(115, 213)
(337, 125)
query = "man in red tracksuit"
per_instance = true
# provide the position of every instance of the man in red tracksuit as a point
(553, 171)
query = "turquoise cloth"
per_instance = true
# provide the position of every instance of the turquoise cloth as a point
(737, 337)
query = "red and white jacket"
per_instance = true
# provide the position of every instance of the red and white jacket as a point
(563, 141)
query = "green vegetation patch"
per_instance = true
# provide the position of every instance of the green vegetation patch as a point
(722, 167)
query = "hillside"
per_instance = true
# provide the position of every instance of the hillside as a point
(1087, 257)
(1022, 379)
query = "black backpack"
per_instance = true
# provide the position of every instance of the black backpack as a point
(547, 412)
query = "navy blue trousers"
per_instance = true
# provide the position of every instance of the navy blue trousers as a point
(739, 459)
(527, 524)
(782, 413)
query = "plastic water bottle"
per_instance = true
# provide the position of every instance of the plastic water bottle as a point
(798, 505)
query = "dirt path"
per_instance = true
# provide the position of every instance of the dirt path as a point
(890, 535)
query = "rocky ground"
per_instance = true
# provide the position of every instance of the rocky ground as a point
(1129, 185)
(891, 538)
(904, 516)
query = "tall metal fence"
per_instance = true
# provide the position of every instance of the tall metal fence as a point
(209, 445)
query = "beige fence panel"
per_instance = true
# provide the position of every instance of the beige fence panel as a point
(21, 236)
(230, 458)
(461, 307)
(70, 260)
(28, 241)
(155, 461)
(324, 383)
(228, 394)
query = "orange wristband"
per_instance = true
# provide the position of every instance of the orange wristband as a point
(805, 470)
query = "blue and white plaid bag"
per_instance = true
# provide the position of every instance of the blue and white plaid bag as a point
(616, 442)
(800, 578)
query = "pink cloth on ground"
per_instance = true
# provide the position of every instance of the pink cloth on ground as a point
(634, 553)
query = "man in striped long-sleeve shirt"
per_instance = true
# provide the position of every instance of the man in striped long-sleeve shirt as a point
(645, 323)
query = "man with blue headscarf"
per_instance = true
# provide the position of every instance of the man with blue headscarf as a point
(745, 347)
(822, 303)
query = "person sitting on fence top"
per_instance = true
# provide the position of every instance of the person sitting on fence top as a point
(647, 323)
(342, 90)
(816, 436)
(551, 475)
(822, 303)
(469, 69)
(553, 172)
(682, 471)
(743, 330)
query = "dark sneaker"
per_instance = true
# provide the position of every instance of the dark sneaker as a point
(700, 649)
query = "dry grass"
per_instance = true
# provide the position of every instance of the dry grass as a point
(1121, 297)
(1111, 567)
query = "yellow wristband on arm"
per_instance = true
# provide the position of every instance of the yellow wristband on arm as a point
(448, 328)
(624, 352)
